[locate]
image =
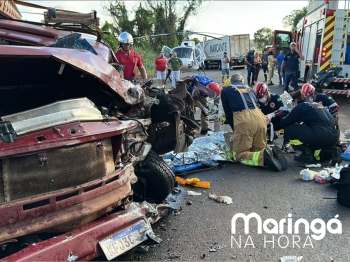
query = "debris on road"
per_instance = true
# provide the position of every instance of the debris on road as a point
(202, 256)
(189, 203)
(313, 165)
(307, 174)
(193, 182)
(221, 199)
(207, 150)
(193, 193)
(291, 259)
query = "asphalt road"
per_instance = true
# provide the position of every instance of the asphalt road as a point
(188, 235)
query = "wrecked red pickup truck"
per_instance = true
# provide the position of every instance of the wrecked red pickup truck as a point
(75, 147)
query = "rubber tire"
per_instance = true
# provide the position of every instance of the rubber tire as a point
(158, 180)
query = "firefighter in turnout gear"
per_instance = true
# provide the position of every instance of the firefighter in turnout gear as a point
(270, 105)
(249, 127)
(311, 128)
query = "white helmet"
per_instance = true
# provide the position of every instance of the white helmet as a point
(252, 49)
(125, 38)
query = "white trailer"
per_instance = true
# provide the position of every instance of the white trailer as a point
(236, 46)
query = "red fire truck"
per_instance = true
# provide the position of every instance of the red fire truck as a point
(323, 37)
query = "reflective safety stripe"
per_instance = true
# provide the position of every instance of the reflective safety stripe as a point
(253, 162)
(317, 154)
(231, 156)
(296, 142)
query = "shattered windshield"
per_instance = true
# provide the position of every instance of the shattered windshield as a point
(183, 52)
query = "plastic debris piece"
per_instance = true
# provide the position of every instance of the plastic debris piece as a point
(345, 156)
(193, 193)
(193, 182)
(189, 203)
(313, 165)
(307, 174)
(221, 199)
(184, 168)
(291, 259)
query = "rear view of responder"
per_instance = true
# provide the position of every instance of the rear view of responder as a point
(264, 63)
(310, 128)
(249, 125)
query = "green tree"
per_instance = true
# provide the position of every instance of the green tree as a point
(196, 40)
(263, 37)
(110, 39)
(153, 17)
(120, 16)
(291, 21)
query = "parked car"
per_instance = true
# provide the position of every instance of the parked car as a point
(79, 144)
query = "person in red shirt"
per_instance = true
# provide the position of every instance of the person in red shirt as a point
(160, 66)
(129, 58)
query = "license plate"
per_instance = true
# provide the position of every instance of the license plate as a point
(120, 243)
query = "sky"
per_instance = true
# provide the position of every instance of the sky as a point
(223, 17)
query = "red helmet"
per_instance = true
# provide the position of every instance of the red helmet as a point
(215, 87)
(260, 90)
(307, 90)
(271, 49)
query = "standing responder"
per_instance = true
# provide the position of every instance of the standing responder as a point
(225, 67)
(249, 125)
(270, 105)
(249, 60)
(279, 60)
(257, 63)
(264, 63)
(160, 66)
(129, 58)
(271, 65)
(291, 64)
(311, 128)
(175, 64)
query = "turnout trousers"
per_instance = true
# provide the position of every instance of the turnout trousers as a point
(249, 137)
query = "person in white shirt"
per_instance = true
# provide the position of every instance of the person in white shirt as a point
(225, 67)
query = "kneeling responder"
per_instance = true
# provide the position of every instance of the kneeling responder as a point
(324, 155)
(200, 99)
(270, 105)
(310, 127)
(249, 125)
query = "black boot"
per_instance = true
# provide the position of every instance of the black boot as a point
(278, 154)
(271, 161)
(336, 155)
(253, 81)
(305, 156)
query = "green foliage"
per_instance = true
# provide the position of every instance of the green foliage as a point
(153, 17)
(110, 39)
(291, 21)
(148, 56)
(196, 40)
(263, 37)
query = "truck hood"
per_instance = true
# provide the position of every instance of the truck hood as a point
(82, 60)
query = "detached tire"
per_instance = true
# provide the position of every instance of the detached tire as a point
(156, 179)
